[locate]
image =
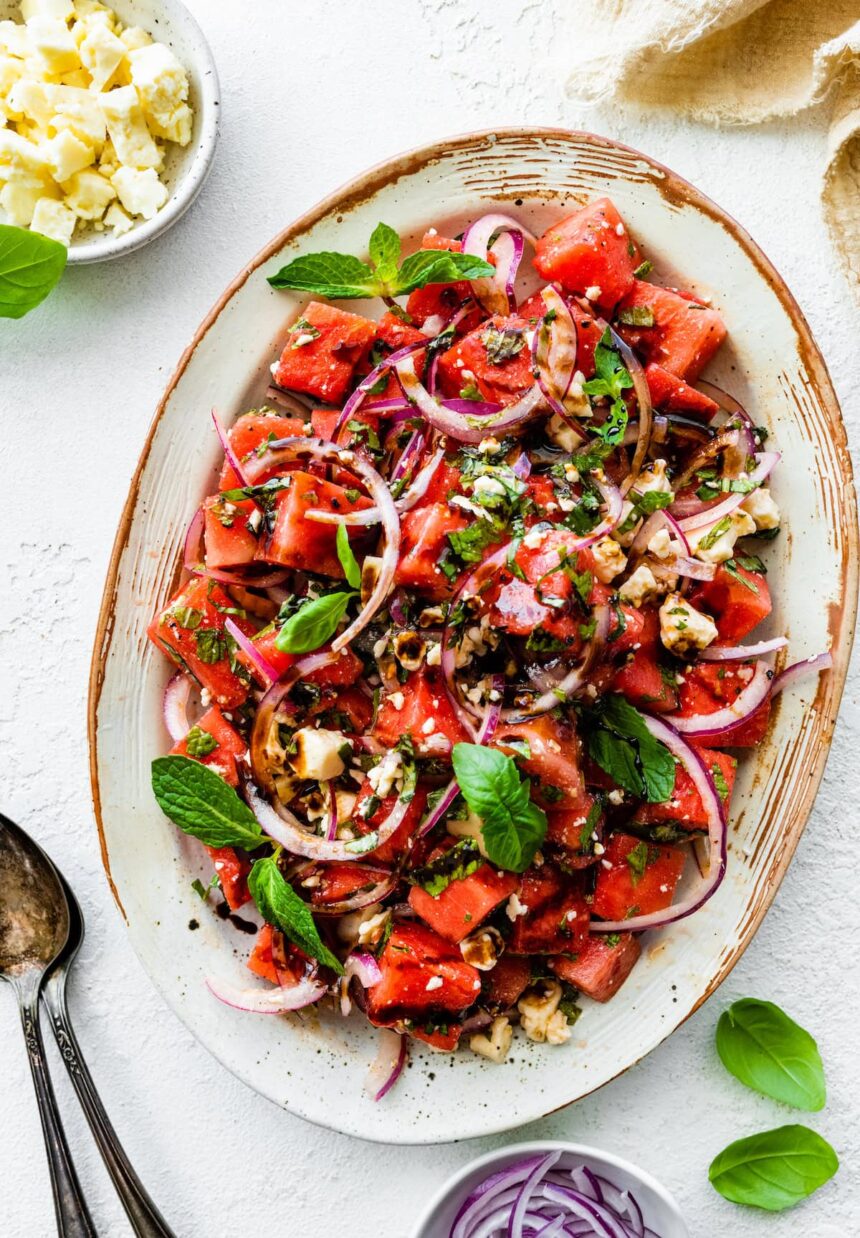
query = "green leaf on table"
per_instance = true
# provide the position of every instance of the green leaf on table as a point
(279, 905)
(202, 804)
(313, 624)
(513, 828)
(760, 1045)
(30, 268)
(348, 561)
(775, 1169)
(611, 380)
(621, 744)
(343, 277)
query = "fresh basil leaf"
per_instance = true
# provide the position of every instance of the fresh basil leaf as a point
(313, 624)
(384, 252)
(30, 268)
(339, 276)
(348, 561)
(774, 1169)
(760, 1045)
(279, 905)
(513, 827)
(201, 803)
(622, 745)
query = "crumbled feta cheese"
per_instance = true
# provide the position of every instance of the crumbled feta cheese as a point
(434, 654)
(571, 472)
(720, 548)
(53, 219)
(52, 41)
(683, 629)
(514, 908)
(435, 982)
(370, 930)
(593, 293)
(540, 1017)
(764, 511)
(89, 194)
(615, 797)
(485, 484)
(383, 776)
(563, 435)
(489, 446)
(534, 538)
(660, 544)
(495, 1042)
(609, 559)
(653, 479)
(640, 587)
(318, 753)
(126, 125)
(482, 949)
(396, 699)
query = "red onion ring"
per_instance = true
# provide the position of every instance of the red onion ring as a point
(331, 801)
(196, 567)
(267, 1001)
(442, 417)
(801, 670)
(742, 653)
(174, 704)
(232, 458)
(368, 383)
(389, 1063)
(713, 512)
(655, 522)
(267, 672)
(357, 902)
(722, 722)
(646, 409)
(554, 348)
(274, 699)
(496, 294)
(362, 967)
(730, 405)
(703, 781)
(410, 498)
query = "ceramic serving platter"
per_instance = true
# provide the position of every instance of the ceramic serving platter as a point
(314, 1066)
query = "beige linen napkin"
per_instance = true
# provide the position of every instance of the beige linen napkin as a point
(737, 62)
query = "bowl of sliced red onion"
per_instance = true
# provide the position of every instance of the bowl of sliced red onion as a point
(551, 1190)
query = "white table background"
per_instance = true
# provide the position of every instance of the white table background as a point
(314, 93)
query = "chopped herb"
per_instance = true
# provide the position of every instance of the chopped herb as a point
(302, 332)
(638, 862)
(720, 782)
(200, 743)
(637, 316)
(643, 269)
(540, 641)
(460, 861)
(187, 617)
(713, 535)
(469, 391)
(470, 543)
(212, 645)
(502, 344)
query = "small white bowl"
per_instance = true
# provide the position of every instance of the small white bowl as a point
(186, 168)
(661, 1213)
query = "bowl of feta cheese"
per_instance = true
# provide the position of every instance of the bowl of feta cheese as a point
(108, 120)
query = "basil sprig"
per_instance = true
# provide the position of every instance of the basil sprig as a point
(348, 561)
(30, 268)
(343, 277)
(202, 804)
(621, 744)
(775, 1169)
(280, 906)
(611, 380)
(513, 827)
(767, 1051)
(313, 624)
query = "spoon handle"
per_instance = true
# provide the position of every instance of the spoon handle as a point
(146, 1220)
(73, 1219)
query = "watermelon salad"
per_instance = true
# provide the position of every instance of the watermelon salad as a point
(466, 650)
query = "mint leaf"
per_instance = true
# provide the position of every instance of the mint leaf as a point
(385, 252)
(280, 906)
(457, 862)
(30, 268)
(200, 743)
(348, 561)
(513, 827)
(342, 277)
(760, 1045)
(622, 745)
(202, 804)
(313, 624)
(775, 1169)
(338, 276)
(612, 378)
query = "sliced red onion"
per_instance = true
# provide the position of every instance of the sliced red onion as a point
(232, 458)
(330, 797)
(703, 782)
(277, 698)
(469, 428)
(693, 569)
(515, 1225)
(554, 347)
(367, 384)
(174, 705)
(742, 653)
(485, 734)
(267, 672)
(765, 462)
(646, 410)
(801, 670)
(364, 898)
(410, 498)
(292, 401)
(731, 405)
(722, 722)
(656, 521)
(410, 454)
(576, 678)
(522, 467)
(496, 294)
(388, 1067)
(362, 967)
(267, 1001)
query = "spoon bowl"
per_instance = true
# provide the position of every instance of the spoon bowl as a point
(34, 913)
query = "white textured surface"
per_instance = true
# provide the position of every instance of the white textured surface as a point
(312, 95)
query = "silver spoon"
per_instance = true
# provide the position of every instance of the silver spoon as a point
(41, 930)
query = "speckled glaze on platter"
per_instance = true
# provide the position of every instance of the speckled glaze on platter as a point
(315, 1067)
